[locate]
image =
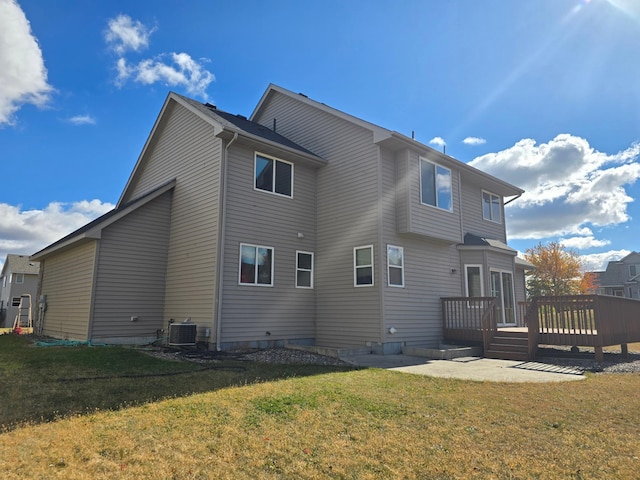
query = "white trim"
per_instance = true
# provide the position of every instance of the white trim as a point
(389, 267)
(273, 182)
(255, 283)
(304, 269)
(435, 186)
(490, 203)
(355, 267)
(466, 278)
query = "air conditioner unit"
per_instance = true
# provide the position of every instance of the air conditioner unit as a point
(182, 334)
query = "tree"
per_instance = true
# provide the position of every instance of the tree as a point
(558, 271)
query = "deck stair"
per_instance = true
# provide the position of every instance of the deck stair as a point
(508, 345)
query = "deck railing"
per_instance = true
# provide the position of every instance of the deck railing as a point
(469, 319)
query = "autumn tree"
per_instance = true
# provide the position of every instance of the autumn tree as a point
(558, 271)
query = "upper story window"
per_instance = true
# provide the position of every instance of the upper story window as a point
(304, 270)
(18, 278)
(435, 185)
(272, 175)
(491, 207)
(256, 265)
(395, 266)
(633, 270)
(363, 266)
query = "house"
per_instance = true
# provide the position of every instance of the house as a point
(19, 277)
(621, 278)
(300, 224)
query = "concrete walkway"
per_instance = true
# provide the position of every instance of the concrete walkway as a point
(470, 368)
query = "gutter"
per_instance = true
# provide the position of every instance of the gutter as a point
(221, 239)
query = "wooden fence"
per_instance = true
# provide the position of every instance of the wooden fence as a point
(469, 319)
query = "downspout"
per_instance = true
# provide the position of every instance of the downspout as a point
(221, 239)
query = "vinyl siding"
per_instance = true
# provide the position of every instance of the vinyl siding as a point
(347, 217)
(472, 219)
(420, 219)
(67, 282)
(265, 219)
(415, 309)
(30, 286)
(131, 273)
(185, 148)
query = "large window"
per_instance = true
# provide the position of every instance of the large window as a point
(273, 175)
(256, 265)
(435, 185)
(304, 269)
(473, 280)
(395, 266)
(491, 209)
(363, 266)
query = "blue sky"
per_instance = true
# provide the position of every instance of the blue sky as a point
(543, 93)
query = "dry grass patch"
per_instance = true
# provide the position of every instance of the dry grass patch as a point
(359, 424)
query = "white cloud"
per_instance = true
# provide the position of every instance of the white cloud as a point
(27, 231)
(124, 33)
(172, 69)
(438, 141)
(583, 243)
(474, 141)
(596, 262)
(568, 185)
(82, 120)
(23, 76)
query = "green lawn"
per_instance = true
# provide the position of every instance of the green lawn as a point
(308, 422)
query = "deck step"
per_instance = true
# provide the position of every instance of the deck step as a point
(507, 355)
(509, 346)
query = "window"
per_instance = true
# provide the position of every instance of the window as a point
(435, 185)
(633, 271)
(15, 302)
(491, 207)
(304, 270)
(18, 278)
(473, 280)
(395, 266)
(273, 175)
(363, 266)
(256, 265)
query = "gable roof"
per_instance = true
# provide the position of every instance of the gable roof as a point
(226, 126)
(20, 264)
(93, 229)
(395, 141)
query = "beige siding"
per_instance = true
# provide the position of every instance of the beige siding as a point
(420, 219)
(131, 274)
(414, 310)
(67, 282)
(472, 219)
(185, 148)
(347, 198)
(265, 219)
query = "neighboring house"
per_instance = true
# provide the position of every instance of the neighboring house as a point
(302, 224)
(19, 277)
(621, 278)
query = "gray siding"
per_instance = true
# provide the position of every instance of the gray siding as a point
(420, 219)
(265, 219)
(347, 217)
(131, 274)
(472, 219)
(185, 148)
(414, 310)
(67, 281)
(30, 286)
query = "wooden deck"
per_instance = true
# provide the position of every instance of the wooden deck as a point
(579, 320)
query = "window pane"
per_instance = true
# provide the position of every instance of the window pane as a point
(495, 208)
(304, 261)
(283, 178)
(303, 278)
(443, 184)
(395, 276)
(264, 174)
(486, 206)
(428, 182)
(363, 256)
(364, 276)
(474, 287)
(248, 264)
(264, 266)
(394, 256)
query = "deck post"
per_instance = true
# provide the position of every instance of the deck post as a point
(599, 354)
(624, 348)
